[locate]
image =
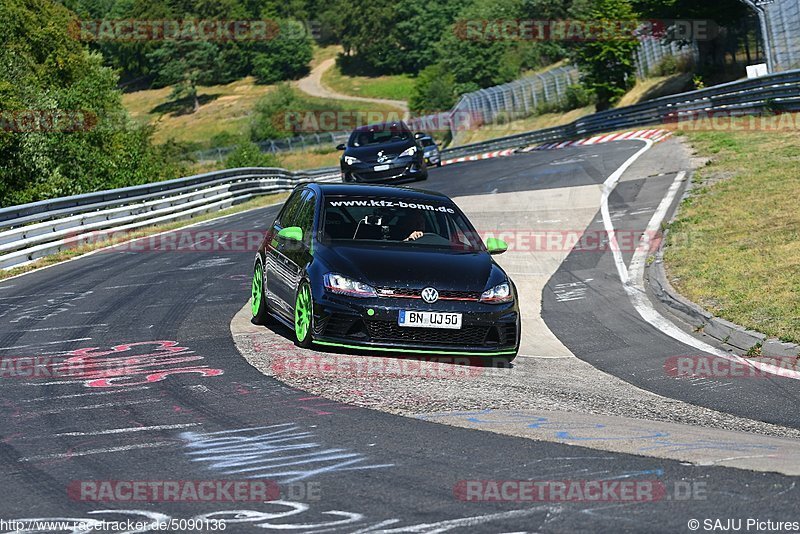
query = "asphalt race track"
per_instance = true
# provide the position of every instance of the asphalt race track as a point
(164, 394)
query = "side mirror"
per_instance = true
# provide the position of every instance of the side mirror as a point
(340, 146)
(495, 246)
(419, 135)
(291, 233)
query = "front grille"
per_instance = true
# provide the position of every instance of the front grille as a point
(380, 175)
(382, 331)
(400, 292)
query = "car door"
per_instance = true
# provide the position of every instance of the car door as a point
(299, 253)
(278, 272)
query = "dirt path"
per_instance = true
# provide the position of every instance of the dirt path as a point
(312, 85)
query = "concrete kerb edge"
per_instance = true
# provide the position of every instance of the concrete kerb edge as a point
(726, 332)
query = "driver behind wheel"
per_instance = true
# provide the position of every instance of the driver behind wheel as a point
(413, 226)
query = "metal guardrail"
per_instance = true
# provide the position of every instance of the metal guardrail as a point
(30, 231)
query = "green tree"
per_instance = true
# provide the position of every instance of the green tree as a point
(479, 54)
(285, 57)
(185, 65)
(46, 71)
(607, 65)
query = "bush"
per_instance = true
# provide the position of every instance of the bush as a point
(672, 65)
(434, 90)
(248, 154)
(577, 96)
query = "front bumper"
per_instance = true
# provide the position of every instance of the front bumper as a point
(487, 329)
(433, 158)
(399, 169)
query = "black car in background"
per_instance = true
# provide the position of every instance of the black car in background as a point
(382, 152)
(384, 268)
(430, 151)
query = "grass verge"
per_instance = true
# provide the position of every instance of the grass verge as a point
(223, 109)
(395, 87)
(65, 255)
(742, 260)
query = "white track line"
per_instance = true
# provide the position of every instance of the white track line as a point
(93, 393)
(126, 430)
(633, 279)
(105, 450)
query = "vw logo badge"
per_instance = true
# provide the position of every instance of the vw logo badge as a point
(381, 157)
(430, 295)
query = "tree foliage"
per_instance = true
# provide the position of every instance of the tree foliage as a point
(607, 65)
(45, 72)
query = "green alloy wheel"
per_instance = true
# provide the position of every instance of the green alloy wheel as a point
(258, 307)
(302, 315)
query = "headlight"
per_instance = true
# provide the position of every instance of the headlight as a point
(349, 160)
(499, 293)
(409, 152)
(336, 283)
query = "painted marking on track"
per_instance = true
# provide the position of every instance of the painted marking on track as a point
(63, 341)
(570, 291)
(65, 327)
(134, 285)
(91, 393)
(128, 430)
(89, 452)
(94, 406)
(633, 279)
(284, 453)
(205, 264)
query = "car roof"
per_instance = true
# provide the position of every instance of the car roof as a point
(374, 190)
(380, 126)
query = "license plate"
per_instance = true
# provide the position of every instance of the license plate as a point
(426, 319)
(379, 168)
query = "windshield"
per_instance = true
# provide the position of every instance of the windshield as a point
(427, 141)
(379, 135)
(402, 222)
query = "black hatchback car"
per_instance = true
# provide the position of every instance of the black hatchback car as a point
(384, 268)
(382, 152)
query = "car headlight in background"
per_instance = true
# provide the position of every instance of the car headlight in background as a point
(336, 283)
(350, 160)
(497, 294)
(408, 152)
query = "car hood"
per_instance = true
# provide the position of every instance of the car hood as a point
(406, 267)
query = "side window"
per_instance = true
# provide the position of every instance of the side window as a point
(288, 215)
(305, 219)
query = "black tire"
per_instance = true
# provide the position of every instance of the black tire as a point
(258, 311)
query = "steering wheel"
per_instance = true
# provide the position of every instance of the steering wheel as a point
(430, 238)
